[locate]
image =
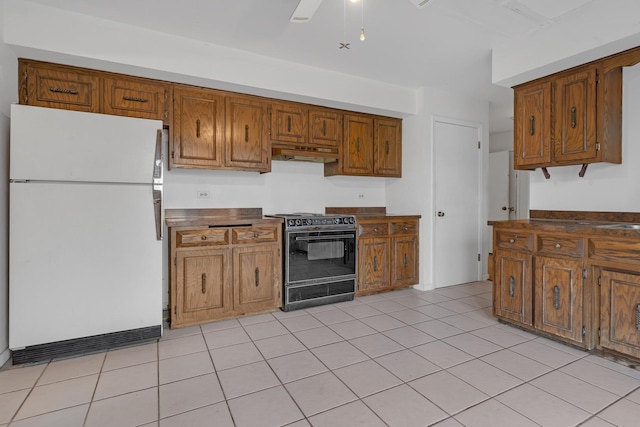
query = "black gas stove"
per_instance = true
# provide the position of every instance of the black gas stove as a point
(300, 220)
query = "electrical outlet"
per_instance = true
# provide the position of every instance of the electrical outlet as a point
(203, 194)
(360, 195)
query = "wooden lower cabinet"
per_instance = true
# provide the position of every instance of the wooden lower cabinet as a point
(203, 285)
(620, 312)
(373, 265)
(224, 271)
(256, 280)
(559, 290)
(512, 293)
(388, 253)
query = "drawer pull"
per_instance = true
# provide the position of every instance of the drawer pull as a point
(512, 240)
(405, 228)
(257, 276)
(198, 128)
(204, 283)
(512, 286)
(375, 263)
(62, 90)
(134, 99)
(638, 317)
(556, 297)
(246, 133)
(532, 125)
(558, 245)
(203, 237)
(406, 261)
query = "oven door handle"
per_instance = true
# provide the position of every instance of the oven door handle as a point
(333, 237)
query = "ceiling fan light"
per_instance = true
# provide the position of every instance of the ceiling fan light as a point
(419, 3)
(305, 10)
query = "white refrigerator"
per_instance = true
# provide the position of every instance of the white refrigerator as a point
(85, 230)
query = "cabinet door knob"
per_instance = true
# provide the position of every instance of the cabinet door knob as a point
(558, 245)
(375, 230)
(256, 235)
(203, 237)
(512, 240)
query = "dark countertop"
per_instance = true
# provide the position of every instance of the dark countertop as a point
(568, 226)
(374, 213)
(217, 217)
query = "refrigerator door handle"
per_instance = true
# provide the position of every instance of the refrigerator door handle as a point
(158, 170)
(157, 209)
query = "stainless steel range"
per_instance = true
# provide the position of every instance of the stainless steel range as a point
(320, 259)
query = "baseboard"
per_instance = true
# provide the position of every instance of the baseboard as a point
(75, 347)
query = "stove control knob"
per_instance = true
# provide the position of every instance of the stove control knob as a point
(298, 222)
(291, 222)
(337, 220)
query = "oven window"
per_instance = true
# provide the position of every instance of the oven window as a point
(320, 255)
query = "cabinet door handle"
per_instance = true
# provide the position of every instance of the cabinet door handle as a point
(558, 245)
(288, 123)
(387, 147)
(512, 286)
(358, 144)
(324, 128)
(134, 99)
(246, 133)
(257, 276)
(573, 117)
(406, 261)
(375, 263)
(638, 317)
(198, 128)
(532, 125)
(556, 297)
(63, 90)
(204, 283)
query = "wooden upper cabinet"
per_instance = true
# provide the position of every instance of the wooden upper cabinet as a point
(135, 98)
(532, 144)
(198, 123)
(575, 116)
(48, 85)
(289, 123)
(387, 147)
(247, 144)
(326, 127)
(358, 145)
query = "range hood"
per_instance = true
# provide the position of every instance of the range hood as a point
(305, 154)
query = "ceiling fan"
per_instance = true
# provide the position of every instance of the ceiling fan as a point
(306, 8)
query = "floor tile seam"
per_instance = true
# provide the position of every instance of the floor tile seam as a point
(448, 367)
(13, 420)
(169, 358)
(617, 401)
(508, 407)
(586, 353)
(95, 388)
(134, 364)
(611, 369)
(441, 408)
(618, 398)
(521, 382)
(158, 377)
(31, 389)
(588, 382)
(166, 339)
(359, 399)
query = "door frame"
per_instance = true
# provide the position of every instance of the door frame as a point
(435, 119)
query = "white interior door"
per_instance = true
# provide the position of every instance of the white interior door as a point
(457, 179)
(499, 206)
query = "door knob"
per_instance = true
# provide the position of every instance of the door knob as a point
(440, 213)
(504, 208)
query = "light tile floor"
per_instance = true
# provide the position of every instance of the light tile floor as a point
(406, 358)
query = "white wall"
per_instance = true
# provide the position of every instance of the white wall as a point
(414, 192)
(605, 186)
(501, 141)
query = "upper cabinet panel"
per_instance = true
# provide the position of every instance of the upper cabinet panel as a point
(135, 98)
(247, 145)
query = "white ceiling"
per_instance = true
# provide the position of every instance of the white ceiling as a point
(445, 44)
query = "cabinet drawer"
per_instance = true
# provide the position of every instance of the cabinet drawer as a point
(59, 87)
(204, 237)
(514, 240)
(255, 234)
(554, 245)
(135, 98)
(620, 250)
(404, 227)
(377, 229)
